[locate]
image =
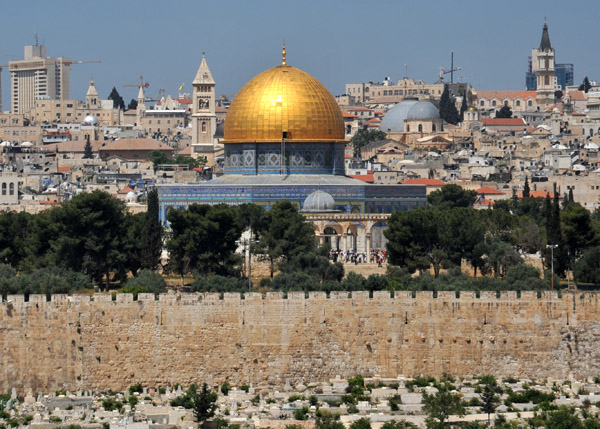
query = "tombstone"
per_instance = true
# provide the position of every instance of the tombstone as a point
(29, 399)
(287, 387)
(251, 391)
(37, 418)
(179, 390)
(79, 393)
(234, 405)
(145, 391)
(13, 394)
(39, 398)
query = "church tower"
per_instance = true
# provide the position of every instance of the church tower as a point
(141, 107)
(543, 66)
(204, 120)
(92, 97)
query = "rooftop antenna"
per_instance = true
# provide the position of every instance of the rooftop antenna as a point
(36, 36)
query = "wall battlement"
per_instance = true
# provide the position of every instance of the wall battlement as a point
(102, 342)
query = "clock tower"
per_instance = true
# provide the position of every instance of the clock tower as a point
(204, 120)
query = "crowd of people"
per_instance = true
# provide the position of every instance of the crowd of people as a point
(376, 256)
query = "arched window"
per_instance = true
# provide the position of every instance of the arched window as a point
(529, 103)
(433, 128)
(203, 127)
(547, 80)
(420, 128)
(11, 189)
(407, 128)
(481, 103)
(494, 103)
(4, 189)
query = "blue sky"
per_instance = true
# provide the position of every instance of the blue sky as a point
(336, 41)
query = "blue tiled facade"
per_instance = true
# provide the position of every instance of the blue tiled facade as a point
(300, 158)
(356, 198)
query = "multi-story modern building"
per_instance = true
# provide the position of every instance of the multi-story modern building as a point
(564, 74)
(38, 77)
(389, 91)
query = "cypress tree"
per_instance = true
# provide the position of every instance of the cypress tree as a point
(526, 188)
(152, 238)
(463, 107)
(571, 199)
(448, 110)
(87, 150)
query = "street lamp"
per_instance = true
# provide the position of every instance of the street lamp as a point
(552, 247)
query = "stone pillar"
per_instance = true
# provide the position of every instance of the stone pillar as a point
(344, 242)
(368, 240)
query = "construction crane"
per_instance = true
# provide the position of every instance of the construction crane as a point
(142, 84)
(451, 71)
(71, 62)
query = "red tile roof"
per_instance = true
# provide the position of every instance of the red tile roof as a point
(369, 178)
(577, 95)
(347, 156)
(349, 115)
(502, 121)
(489, 190)
(125, 190)
(426, 182)
(64, 169)
(184, 100)
(539, 194)
(501, 95)
(484, 202)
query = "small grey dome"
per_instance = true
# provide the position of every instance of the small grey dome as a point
(395, 117)
(90, 120)
(423, 111)
(318, 202)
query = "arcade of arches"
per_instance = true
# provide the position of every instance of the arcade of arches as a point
(347, 231)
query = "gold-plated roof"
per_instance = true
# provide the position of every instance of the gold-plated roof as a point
(284, 99)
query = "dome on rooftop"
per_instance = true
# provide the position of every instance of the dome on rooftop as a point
(318, 202)
(90, 120)
(395, 117)
(284, 99)
(423, 111)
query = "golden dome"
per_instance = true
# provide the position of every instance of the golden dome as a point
(284, 99)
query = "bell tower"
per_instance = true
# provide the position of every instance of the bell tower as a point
(543, 65)
(204, 120)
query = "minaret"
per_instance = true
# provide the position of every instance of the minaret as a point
(141, 107)
(204, 120)
(91, 98)
(543, 66)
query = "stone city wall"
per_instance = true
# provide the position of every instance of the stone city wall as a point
(73, 342)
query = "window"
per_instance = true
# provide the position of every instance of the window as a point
(547, 80)
(494, 103)
(420, 128)
(529, 103)
(4, 189)
(518, 102)
(433, 127)
(481, 103)
(11, 189)
(203, 127)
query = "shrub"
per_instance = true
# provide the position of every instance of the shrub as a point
(301, 414)
(146, 281)
(225, 388)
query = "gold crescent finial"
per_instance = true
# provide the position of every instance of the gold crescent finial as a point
(283, 54)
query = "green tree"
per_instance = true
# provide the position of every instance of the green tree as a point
(204, 404)
(87, 150)
(362, 423)
(489, 399)
(526, 188)
(504, 112)
(441, 405)
(463, 106)
(286, 236)
(576, 225)
(117, 99)
(328, 420)
(158, 157)
(15, 233)
(152, 238)
(90, 235)
(133, 104)
(203, 240)
(451, 195)
(363, 138)
(398, 424)
(145, 282)
(586, 85)
(587, 268)
(563, 418)
(447, 109)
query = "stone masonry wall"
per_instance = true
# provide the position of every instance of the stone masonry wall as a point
(77, 342)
